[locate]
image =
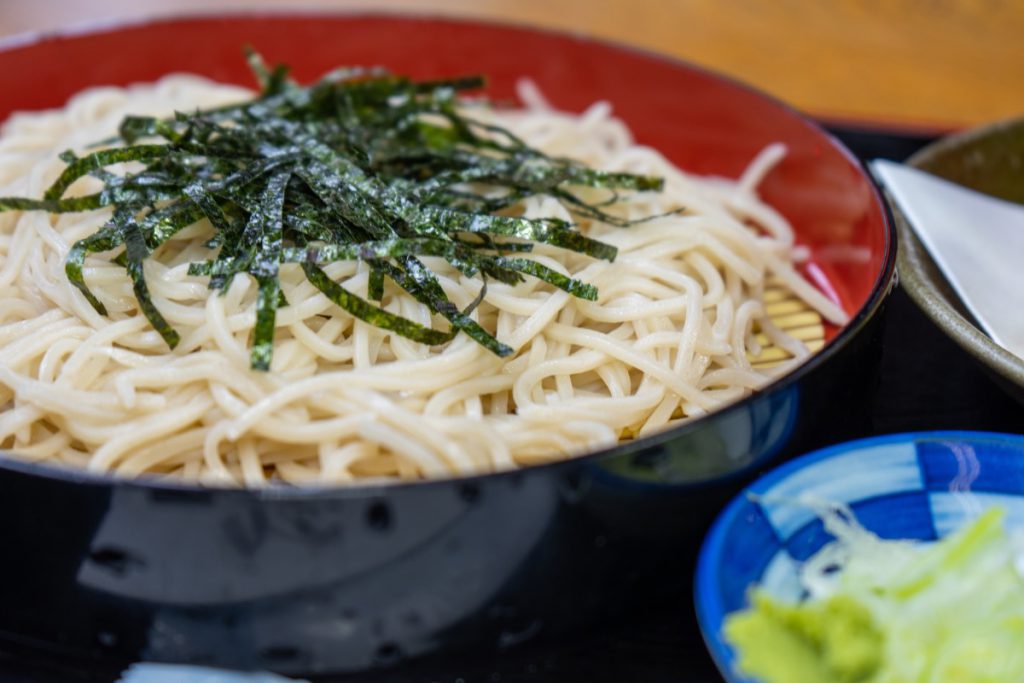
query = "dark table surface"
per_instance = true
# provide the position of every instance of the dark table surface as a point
(926, 383)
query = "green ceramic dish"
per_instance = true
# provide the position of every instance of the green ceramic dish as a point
(990, 160)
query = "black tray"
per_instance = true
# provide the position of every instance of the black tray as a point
(927, 383)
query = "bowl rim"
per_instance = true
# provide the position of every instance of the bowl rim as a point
(913, 257)
(708, 606)
(884, 283)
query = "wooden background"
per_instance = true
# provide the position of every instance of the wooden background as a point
(932, 64)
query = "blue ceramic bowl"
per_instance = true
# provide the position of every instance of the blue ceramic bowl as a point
(920, 486)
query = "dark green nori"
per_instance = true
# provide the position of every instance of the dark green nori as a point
(136, 252)
(372, 314)
(362, 165)
(262, 238)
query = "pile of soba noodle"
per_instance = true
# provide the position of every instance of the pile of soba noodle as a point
(346, 402)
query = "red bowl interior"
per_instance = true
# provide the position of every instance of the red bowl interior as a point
(699, 120)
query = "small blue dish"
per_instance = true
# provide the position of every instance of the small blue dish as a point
(918, 486)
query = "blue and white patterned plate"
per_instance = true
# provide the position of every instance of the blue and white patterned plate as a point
(921, 486)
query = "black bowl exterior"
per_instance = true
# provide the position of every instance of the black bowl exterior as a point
(342, 580)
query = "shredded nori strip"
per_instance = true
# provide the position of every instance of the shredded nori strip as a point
(136, 252)
(362, 165)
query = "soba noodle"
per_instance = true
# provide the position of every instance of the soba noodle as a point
(345, 402)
